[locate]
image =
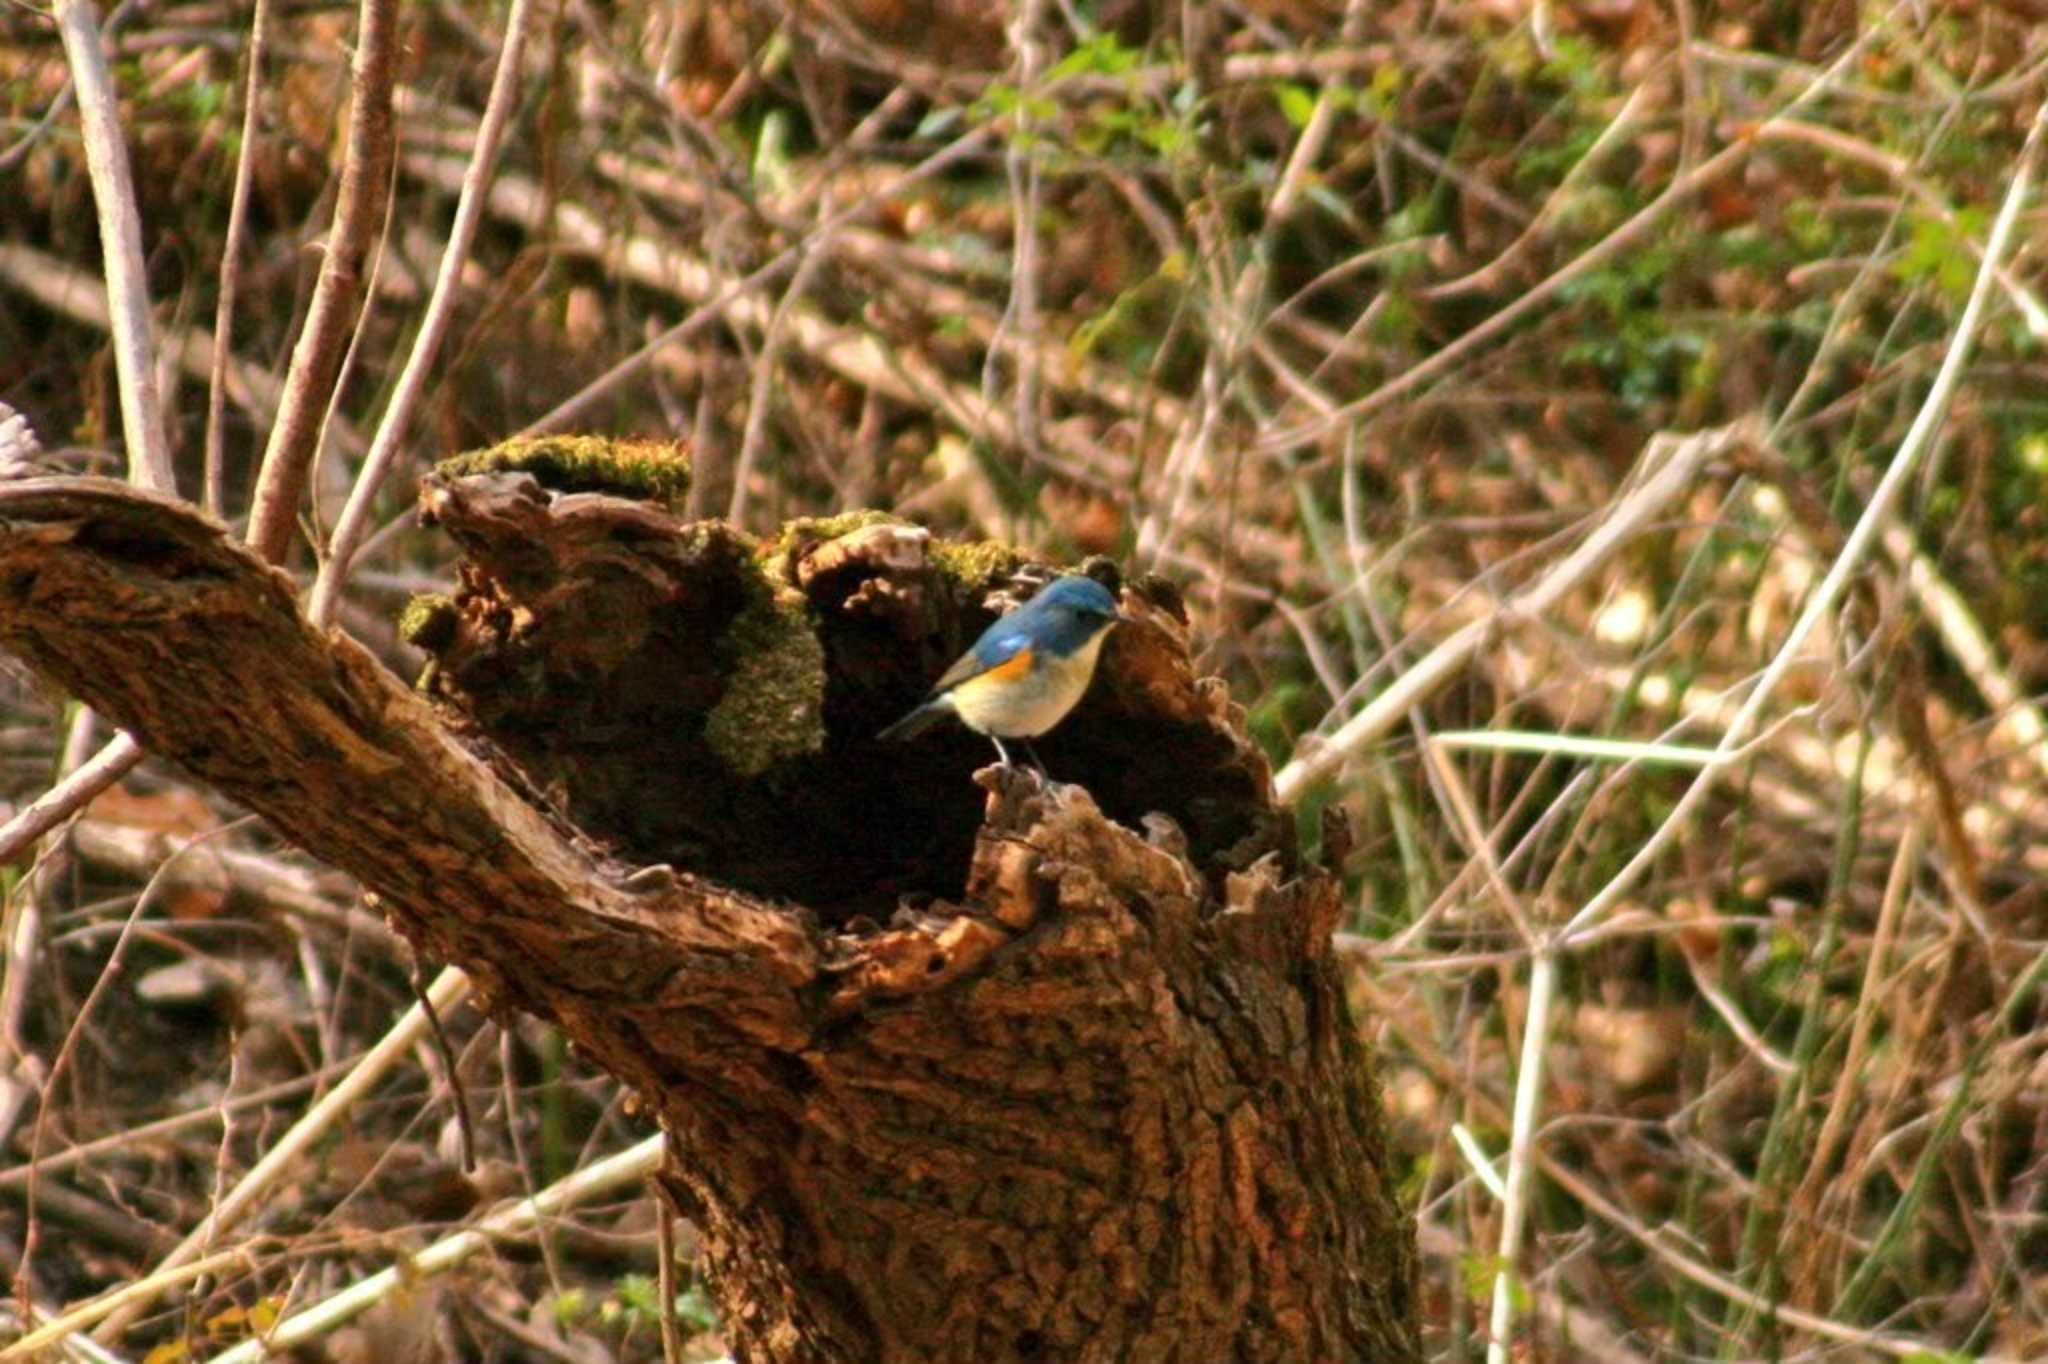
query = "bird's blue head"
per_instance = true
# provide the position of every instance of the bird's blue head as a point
(1070, 612)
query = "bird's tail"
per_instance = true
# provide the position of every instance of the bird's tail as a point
(918, 721)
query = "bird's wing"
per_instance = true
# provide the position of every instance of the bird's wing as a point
(1004, 654)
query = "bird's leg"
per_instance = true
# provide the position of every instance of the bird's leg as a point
(1031, 752)
(1001, 752)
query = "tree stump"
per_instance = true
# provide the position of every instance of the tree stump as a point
(954, 1064)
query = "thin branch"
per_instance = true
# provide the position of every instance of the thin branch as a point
(21, 1074)
(2013, 712)
(365, 178)
(1833, 141)
(721, 298)
(1496, 273)
(113, 192)
(1692, 1270)
(58, 287)
(67, 797)
(231, 264)
(133, 1139)
(1850, 1076)
(1239, 325)
(110, 972)
(760, 399)
(280, 886)
(902, 374)
(1521, 1142)
(1020, 163)
(355, 516)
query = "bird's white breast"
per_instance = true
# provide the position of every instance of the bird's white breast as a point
(1030, 705)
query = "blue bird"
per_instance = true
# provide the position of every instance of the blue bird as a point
(1026, 671)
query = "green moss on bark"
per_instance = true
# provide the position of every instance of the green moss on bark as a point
(645, 470)
(816, 530)
(428, 621)
(976, 565)
(773, 708)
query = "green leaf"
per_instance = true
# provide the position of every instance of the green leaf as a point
(640, 1295)
(938, 122)
(1102, 55)
(1935, 253)
(1385, 89)
(696, 1311)
(1296, 103)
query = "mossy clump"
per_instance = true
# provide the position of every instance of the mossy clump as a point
(974, 566)
(799, 534)
(645, 470)
(428, 621)
(977, 565)
(773, 708)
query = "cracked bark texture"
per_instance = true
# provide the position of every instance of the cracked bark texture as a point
(1025, 1072)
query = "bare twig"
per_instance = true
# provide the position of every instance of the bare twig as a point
(83, 1316)
(365, 178)
(20, 1071)
(113, 190)
(1900, 170)
(1521, 1142)
(2012, 710)
(965, 147)
(301, 892)
(761, 399)
(110, 971)
(1719, 1284)
(231, 264)
(355, 517)
(1020, 164)
(904, 374)
(132, 1139)
(1238, 326)
(1498, 271)
(1850, 1077)
(69, 292)
(665, 1247)
(67, 797)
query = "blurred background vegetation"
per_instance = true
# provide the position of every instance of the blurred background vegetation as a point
(1348, 318)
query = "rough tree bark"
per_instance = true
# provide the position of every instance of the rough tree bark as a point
(1065, 1072)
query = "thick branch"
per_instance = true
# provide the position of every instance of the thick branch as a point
(154, 615)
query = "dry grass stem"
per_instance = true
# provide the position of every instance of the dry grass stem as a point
(627, 1168)
(449, 988)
